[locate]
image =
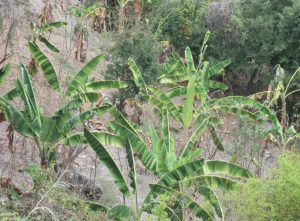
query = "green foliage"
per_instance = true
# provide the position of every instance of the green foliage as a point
(273, 198)
(142, 47)
(158, 213)
(236, 32)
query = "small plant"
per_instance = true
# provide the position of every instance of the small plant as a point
(158, 213)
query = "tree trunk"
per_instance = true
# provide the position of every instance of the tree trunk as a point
(121, 19)
(138, 11)
(251, 82)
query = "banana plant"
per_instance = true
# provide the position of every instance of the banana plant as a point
(81, 13)
(38, 33)
(48, 132)
(281, 92)
(175, 175)
(38, 36)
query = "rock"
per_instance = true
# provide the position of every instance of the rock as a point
(22, 183)
(4, 200)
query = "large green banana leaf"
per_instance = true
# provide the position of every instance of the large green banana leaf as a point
(145, 155)
(87, 96)
(182, 172)
(187, 150)
(29, 96)
(131, 163)
(51, 26)
(218, 68)
(212, 181)
(108, 161)
(168, 142)
(209, 195)
(119, 118)
(48, 44)
(174, 78)
(95, 86)
(225, 168)
(29, 111)
(187, 112)
(68, 107)
(4, 72)
(173, 67)
(200, 168)
(182, 90)
(11, 95)
(160, 101)
(104, 137)
(82, 117)
(45, 65)
(203, 48)
(190, 66)
(158, 150)
(204, 82)
(120, 213)
(239, 101)
(82, 76)
(216, 139)
(138, 78)
(17, 119)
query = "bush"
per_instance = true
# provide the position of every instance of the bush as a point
(144, 49)
(274, 198)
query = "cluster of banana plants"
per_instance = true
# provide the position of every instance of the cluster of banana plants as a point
(176, 170)
(194, 84)
(48, 132)
(176, 173)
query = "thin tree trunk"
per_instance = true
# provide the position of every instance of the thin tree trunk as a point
(251, 81)
(138, 10)
(121, 19)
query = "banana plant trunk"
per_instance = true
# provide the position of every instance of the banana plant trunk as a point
(121, 18)
(138, 11)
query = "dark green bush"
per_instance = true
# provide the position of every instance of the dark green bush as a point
(256, 35)
(144, 49)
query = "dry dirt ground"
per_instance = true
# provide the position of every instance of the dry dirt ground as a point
(23, 152)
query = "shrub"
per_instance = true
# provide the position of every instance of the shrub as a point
(144, 49)
(274, 198)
